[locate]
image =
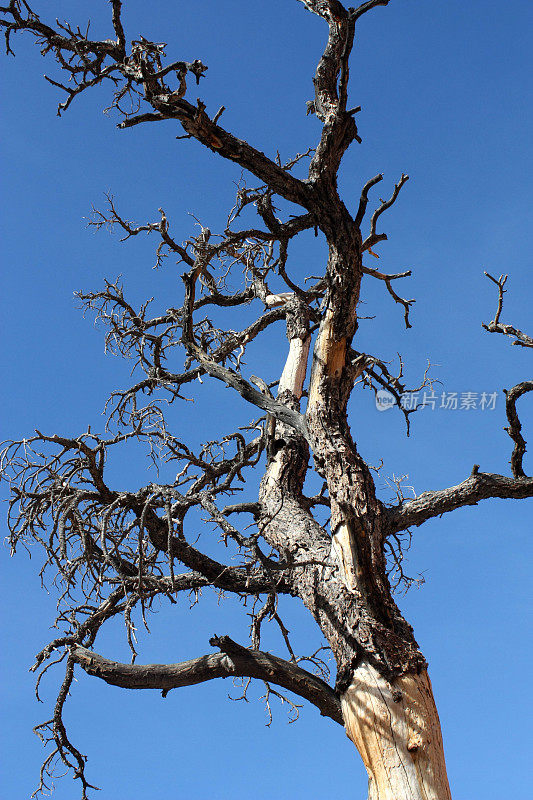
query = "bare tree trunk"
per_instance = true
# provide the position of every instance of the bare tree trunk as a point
(120, 547)
(396, 729)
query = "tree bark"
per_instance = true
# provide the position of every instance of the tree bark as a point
(395, 727)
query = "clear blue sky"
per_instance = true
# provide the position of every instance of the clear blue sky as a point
(446, 94)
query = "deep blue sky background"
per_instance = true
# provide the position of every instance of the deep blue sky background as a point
(446, 97)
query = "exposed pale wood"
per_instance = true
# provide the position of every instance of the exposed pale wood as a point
(339, 572)
(341, 546)
(274, 300)
(294, 371)
(328, 358)
(395, 726)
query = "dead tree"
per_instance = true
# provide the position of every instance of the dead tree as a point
(115, 551)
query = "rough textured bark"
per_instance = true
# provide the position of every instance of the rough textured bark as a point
(116, 550)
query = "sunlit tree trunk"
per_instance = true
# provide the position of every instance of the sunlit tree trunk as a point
(395, 727)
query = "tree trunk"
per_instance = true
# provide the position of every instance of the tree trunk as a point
(396, 729)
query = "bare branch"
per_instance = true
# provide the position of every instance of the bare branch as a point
(521, 339)
(233, 661)
(142, 75)
(374, 237)
(117, 25)
(149, 116)
(230, 376)
(397, 299)
(515, 428)
(364, 7)
(363, 202)
(54, 730)
(331, 89)
(479, 486)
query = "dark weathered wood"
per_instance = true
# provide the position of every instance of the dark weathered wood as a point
(479, 486)
(116, 550)
(233, 662)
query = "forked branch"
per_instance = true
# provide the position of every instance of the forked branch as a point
(375, 237)
(521, 338)
(382, 276)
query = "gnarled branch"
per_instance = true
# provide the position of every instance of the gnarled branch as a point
(479, 486)
(515, 428)
(234, 661)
